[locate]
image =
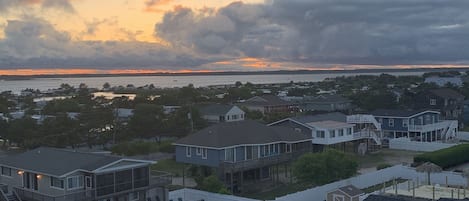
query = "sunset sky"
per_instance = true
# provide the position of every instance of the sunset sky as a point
(115, 36)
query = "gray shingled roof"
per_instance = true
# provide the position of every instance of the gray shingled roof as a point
(266, 100)
(57, 162)
(241, 132)
(447, 93)
(333, 116)
(326, 98)
(215, 109)
(397, 113)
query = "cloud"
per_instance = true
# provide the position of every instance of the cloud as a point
(153, 5)
(35, 43)
(65, 5)
(327, 31)
(294, 34)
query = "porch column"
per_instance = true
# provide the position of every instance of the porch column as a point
(394, 132)
(421, 137)
(231, 182)
(242, 180)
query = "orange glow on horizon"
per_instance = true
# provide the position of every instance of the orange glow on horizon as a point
(31, 72)
(252, 64)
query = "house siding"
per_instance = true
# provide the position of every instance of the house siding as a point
(422, 119)
(213, 157)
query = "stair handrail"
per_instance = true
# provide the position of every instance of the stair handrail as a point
(16, 195)
(4, 196)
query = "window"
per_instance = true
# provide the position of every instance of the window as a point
(188, 151)
(288, 148)
(75, 182)
(198, 151)
(391, 122)
(405, 123)
(204, 153)
(229, 154)
(432, 101)
(349, 131)
(320, 134)
(227, 117)
(56, 183)
(234, 117)
(248, 152)
(341, 132)
(331, 133)
(133, 196)
(6, 171)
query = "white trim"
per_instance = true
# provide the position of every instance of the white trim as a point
(431, 111)
(188, 152)
(198, 151)
(78, 182)
(127, 160)
(240, 145)
(206, 153)
(55, 187)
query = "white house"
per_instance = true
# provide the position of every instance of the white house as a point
(221, 113)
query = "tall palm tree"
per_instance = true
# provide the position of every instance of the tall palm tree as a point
(429, 168)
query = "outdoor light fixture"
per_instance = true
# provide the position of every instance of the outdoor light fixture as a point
(38, 176)
(20, 172)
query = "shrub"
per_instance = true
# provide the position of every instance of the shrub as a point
(445, 158)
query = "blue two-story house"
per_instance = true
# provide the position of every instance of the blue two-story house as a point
(418, 125)
(242, 151)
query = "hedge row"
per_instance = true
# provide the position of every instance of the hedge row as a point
(445, 158)
(142, 148)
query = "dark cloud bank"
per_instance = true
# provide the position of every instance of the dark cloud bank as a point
(380, 32)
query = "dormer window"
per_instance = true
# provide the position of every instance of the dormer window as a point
(432, 101)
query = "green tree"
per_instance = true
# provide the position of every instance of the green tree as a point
(61, 106)
(212, 184)
(24, 132)
(96, 124)
(325, 167)
(106, 86)
(60, 132)
(147, 120)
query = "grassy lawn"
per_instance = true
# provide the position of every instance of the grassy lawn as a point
(370, 160)
(279, 191)
(169, 165)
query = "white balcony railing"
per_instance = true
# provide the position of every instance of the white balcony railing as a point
(430, 127)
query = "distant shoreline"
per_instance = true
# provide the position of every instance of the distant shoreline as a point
(280, 72)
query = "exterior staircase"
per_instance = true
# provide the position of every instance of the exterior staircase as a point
(13, 197)
(6, 195)
(450, 131)
(362, 119)
(367, 119)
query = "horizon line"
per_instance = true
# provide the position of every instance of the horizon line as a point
(24, 72)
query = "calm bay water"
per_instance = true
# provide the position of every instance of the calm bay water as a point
(173, 81)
